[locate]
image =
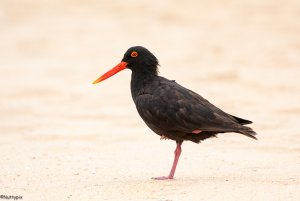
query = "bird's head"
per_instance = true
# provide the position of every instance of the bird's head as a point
(138, 59)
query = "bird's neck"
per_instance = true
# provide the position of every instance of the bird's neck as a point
(140, 81)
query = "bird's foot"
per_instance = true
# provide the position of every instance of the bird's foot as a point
(196, 131)
(163, 138)
(162, 178)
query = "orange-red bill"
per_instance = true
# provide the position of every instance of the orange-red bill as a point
(111, 72)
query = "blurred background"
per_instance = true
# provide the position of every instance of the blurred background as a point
(243, 56)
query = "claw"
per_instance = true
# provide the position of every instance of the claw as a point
(163, 138)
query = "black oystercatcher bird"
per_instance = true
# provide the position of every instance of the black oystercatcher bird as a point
(169, 109)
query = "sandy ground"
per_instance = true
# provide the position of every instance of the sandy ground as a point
(63, 138)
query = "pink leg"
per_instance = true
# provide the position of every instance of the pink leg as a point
(177, 153)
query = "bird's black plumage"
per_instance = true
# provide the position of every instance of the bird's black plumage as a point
(173, 111)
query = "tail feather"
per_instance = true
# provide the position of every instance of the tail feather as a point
(242, 121)
(247, 131)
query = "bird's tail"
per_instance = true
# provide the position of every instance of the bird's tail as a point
(241, 121)
(247, 131)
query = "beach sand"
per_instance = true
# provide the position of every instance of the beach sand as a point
(62, 138)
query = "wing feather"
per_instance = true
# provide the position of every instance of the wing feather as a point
(172, 107)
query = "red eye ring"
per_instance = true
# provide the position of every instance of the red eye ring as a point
(134, 54)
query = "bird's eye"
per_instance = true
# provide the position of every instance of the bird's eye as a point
(134, 54)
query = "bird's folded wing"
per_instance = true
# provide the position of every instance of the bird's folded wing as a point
(180, 109)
